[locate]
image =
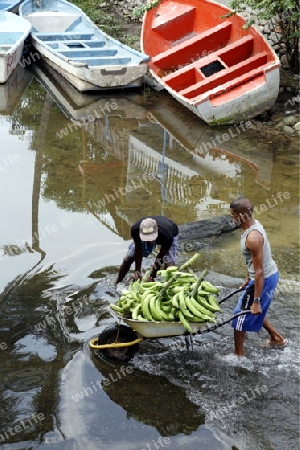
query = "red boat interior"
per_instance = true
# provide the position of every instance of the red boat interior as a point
(195, 50)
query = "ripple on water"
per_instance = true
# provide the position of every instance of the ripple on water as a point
(35, 345)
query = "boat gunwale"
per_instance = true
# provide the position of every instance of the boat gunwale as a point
(25, 31)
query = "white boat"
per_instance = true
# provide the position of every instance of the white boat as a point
(77, 49)
(13, 32)
(10, 5)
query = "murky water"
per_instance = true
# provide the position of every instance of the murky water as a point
(75, 172)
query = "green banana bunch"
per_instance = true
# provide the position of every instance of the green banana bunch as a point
(179, 296)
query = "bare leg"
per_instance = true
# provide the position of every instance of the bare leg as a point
(124, 268)
(239, 338)
(276, 338)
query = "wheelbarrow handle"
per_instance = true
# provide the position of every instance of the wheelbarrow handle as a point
(221, 321)
(231, 294)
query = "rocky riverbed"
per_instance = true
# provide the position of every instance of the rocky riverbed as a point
(284, 117)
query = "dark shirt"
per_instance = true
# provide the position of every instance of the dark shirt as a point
(167, 230)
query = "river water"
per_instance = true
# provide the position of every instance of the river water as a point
(75, 172)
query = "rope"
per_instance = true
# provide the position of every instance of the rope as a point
(113, 344)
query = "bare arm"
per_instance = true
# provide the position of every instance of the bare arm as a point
(138, 257)
(255, 242)
(159, 261)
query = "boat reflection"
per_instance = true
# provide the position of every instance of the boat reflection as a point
(11, 92)
(223, 150)
(147, 152)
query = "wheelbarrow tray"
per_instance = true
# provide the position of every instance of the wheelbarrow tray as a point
(157, 329)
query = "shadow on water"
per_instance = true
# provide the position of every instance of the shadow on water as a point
(89, 165)
(152, 400)
(148, 411)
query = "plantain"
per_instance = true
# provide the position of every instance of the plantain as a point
(136, 311)
(116, 308)
(203, 293)
(208, 287)
(165, 315)
(180, 294)
(192, 308)
(129, 304)
(213, 301)
(153, 308)
(201, 305)
(142, 319)
(146, 307)
(184, 322)
(175, 300)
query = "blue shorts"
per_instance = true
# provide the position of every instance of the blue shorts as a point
(170, 257)
(251, 322)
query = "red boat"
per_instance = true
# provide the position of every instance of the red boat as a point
(202, 55)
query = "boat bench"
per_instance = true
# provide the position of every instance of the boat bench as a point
(230, 74)
(196, 47)
(102, 61)
(88, 52)
(64, 36)
(174, 21)
(198, 71)
(75, 45)
(43, 20)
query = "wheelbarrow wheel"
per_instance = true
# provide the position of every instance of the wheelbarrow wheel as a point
(117, 334)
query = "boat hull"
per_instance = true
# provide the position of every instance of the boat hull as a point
(9, 61)
(88, 79)
(86, 56)
(11, 6)
(236, 110)
(221, 71)
(11, 42)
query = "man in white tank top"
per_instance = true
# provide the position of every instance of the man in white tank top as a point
(261, 280)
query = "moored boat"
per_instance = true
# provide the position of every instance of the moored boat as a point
(77, 49)
(204, 57)
(13, 32)
(10, 5)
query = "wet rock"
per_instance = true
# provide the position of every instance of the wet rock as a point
(297, 126)
(289, 121)
(202, 232)
(288, 130)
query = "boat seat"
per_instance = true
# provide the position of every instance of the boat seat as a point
(174, 20)
(64, 36)
(102, 61)
(52, 21)
(69, 44)
(229, 76)
(88, 52)
(9, 37)
(227, 56)
(196, 47)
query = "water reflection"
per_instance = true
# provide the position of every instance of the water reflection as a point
(138, 153)
(67, 207)
(155, 400)
(12, 91)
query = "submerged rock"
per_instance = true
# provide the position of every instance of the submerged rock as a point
(202, 233)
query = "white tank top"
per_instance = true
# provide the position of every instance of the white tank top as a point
(269, 265)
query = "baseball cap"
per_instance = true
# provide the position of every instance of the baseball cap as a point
(148, 230)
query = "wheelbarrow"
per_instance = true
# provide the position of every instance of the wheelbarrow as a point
(121, 342)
